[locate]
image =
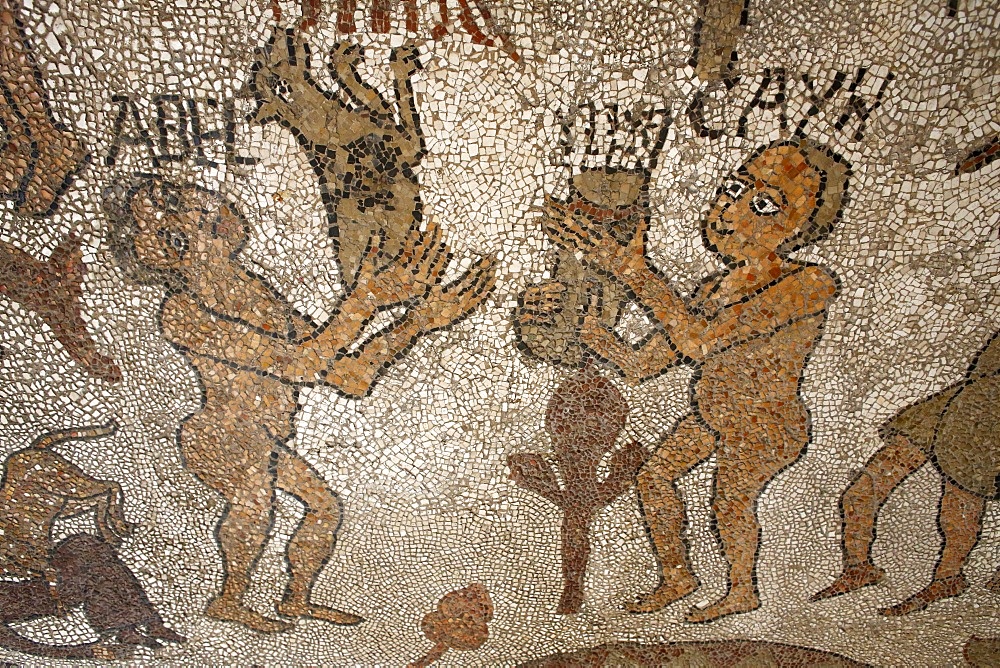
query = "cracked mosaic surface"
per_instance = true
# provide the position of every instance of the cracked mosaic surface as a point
(496, 333)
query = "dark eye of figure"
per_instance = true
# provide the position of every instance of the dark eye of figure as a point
(763, 204)
(177, 241)
(734, 189)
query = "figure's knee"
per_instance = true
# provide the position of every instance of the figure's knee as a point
(860, 491)
(659, 474)
(296, 477)
(731, 507)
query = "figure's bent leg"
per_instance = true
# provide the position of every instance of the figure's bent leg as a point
(859, 507)
(236, 461)
(312, 543)
(663, 511)
(746, 467)
(959, 521)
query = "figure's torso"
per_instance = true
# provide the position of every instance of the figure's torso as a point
(757, 375)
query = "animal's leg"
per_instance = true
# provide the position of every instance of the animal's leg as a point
(960, 520)
(859, 507)
(312, 543)
(233, 457)
(405, 62)
(745, 469)
(344, 61)
(663, 511)
(113, 599)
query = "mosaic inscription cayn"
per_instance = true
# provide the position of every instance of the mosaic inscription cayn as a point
(39, 487)
(253, 353)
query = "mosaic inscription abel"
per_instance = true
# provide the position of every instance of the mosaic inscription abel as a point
(493, 333)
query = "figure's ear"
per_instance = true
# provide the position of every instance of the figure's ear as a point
(146, 202)
(230, 226)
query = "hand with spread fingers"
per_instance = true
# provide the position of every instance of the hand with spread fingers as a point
(542, 302)
(600, 250)
(410, 275)
(447, 304)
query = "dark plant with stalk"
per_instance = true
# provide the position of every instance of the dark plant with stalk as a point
(584, 417)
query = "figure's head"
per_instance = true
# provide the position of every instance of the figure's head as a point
(163, 233)
(585, 415)
(786, 196)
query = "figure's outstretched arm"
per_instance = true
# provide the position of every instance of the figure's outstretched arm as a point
(198, 331)
(650, 359)
(413, 278)
(445, 305)
(798, 295)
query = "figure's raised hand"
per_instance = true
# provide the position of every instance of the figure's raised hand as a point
(592, 323)
(577, 233)
(541, 303)
(410, 275)
(445, 305)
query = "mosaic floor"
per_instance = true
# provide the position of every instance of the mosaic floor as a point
(500, 333)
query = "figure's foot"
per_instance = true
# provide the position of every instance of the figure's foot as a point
(234, 612)
(292, 608)
(852, 578)
(131, 636)
(669, 591)
(935, 591)
(160, 632)
(735, 602)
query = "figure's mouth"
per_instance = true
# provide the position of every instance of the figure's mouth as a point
(719, 230)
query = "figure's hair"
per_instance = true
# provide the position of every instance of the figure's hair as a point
(832, 197)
